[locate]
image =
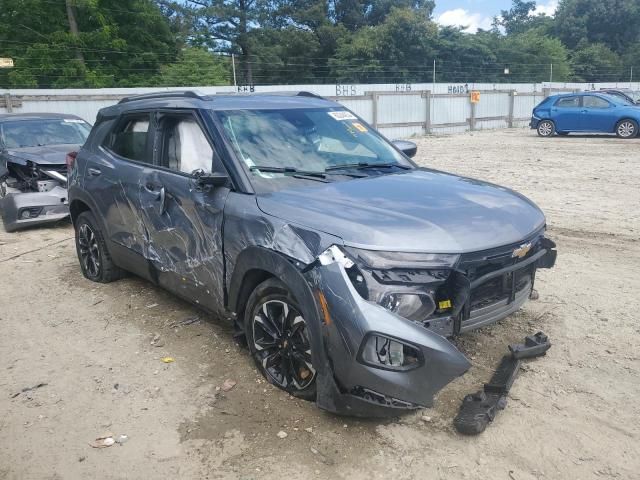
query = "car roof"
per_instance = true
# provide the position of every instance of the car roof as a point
(190, 99)
(35, 116)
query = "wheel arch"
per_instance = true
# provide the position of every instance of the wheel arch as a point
(253, 266)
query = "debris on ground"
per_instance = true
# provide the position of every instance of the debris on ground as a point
(28, 389)
(321, 456)
(228, 385)
(480, 408)
(282, 434)
(153, 305)
(156, 341)
(121, 439)
(104, 441)
(168, 359)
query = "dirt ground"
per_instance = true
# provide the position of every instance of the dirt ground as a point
(98, 348)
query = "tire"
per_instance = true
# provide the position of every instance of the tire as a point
(279, 339)
(95, 261)
(546, 128)
(627, 128)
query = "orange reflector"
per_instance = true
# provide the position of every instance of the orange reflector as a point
(326, 318)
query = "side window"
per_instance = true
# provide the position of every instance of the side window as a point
(129, 139)
(595, 102)
(184, 146)
(568, 102)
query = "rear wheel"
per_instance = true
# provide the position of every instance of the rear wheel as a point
(95, 261)
(546, 128)
(280, 340)
(627, 129)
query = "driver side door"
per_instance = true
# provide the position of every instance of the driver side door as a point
(183, 217)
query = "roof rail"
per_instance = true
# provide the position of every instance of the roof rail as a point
(170, 94)
(309, 94)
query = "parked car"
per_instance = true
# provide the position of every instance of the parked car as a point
(630, 96)
(343, 264)
(33, 172)
(585, 113)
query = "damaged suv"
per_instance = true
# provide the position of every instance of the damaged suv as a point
(33, 170)
(343, 264)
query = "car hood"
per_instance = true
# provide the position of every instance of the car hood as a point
(44, 155)
(417, 211)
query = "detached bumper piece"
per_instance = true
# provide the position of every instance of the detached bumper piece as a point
(480, 408)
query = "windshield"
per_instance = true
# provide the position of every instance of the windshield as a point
(306, 141)
(37, 133)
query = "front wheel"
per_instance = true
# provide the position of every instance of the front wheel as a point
(627, 129)
(95, 261)
(279, 339)
(546, 128)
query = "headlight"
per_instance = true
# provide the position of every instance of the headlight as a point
(388, 353)
(411, 260)
(405, 283)
(414, 306)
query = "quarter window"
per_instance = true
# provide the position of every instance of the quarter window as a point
(129, 139)
(568, 102)
(595, 102)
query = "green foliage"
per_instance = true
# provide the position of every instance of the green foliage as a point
(596, 63)
(189, 43)
(195, 67)
(614, 23)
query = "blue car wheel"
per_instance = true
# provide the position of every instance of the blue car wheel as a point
(546, 128)
(627, 128)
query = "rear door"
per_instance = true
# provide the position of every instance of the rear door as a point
(599, 115)
(183, 218)
(113, 177)
(566, 112)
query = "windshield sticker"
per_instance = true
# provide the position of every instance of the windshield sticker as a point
(342, 115)
(72, 120)
(359, 127)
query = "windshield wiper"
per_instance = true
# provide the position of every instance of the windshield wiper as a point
(291, 170)
(365, 165)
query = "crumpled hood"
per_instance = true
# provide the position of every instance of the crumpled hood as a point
(419, 211)
(45, 155)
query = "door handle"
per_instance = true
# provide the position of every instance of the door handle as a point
(159, 194)
(94, 172)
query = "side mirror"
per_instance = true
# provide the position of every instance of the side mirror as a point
(211, 179)
(405, 146)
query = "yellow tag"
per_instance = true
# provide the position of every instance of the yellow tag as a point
(168, 359)
(442, 304)
(359, 127)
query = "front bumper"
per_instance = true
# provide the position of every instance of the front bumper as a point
(363, 390)
(360, 389)
(43, 208)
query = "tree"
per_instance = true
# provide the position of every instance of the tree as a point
(614, 23)
(399, 50)
(195, 67)
(83, 43)
(596, 63)
(516, 19)
(529, 57)
(226, 25)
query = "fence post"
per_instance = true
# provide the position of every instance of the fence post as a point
(546, 92)
(427, 122)
(7, 102)
(472, 118)
(374, 108)
(512, 102)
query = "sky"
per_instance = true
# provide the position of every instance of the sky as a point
(474, 14)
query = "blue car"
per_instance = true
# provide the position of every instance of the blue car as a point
(585, 112)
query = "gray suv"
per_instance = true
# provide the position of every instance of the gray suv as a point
(343, 265)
